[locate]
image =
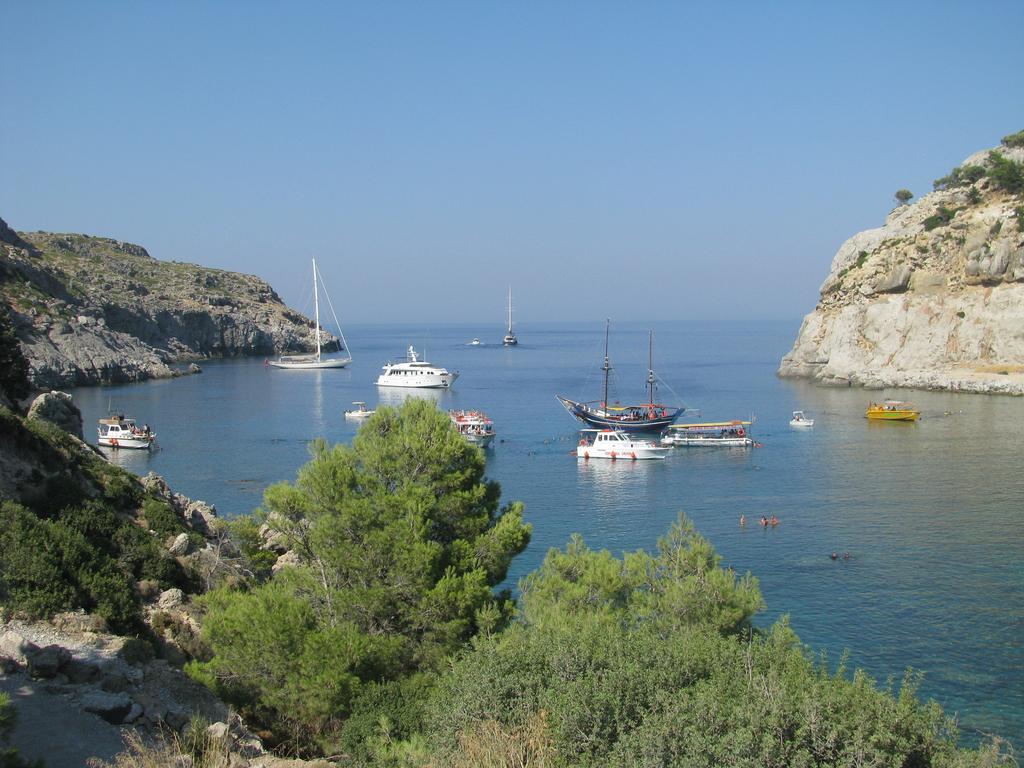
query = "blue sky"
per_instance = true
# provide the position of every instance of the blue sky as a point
(645, 161)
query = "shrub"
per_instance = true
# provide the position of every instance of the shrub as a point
(1006, 173)
(942, 217)
(14, 381)
(1014, 139)
(960, 176)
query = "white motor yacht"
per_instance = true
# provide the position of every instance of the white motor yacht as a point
(416, 373)
(615, 444)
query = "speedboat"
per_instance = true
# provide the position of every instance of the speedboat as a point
(615, 444)
(799, 420)
(712, 434)
(644, 417)
(474, 426)
(117, 431)
(892, 410)
(416, 373)
(359, 412)
(475, 343)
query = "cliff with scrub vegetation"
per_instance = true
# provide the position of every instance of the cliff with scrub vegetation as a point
(934, 299)
(92, 310)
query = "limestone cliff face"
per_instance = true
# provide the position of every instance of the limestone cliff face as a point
(934, 299)
(92, 310)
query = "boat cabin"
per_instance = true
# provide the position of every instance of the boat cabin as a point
(600, 437)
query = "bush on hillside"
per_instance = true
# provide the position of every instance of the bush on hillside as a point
(1005, 173)
(1014, 139)
(401, 542)
(650, 660)
(14, 381)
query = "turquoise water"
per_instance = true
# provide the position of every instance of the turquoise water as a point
(931, 513)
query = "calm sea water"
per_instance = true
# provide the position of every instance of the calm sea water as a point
(931, 513)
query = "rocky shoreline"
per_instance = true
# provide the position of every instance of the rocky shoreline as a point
(934, 299)
(92, 310)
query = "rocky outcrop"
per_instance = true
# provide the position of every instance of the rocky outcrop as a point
(933, 299)
(58, 408)
(91, 310)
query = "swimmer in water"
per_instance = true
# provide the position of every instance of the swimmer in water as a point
(774, 521)
(743, 520)
(835, 556)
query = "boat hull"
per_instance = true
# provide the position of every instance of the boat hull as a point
(305, 365)
(628, 453)
(893, 415)
(444, 381)
(708, 442)
(581, 412)
(135, 443)
(803, 423)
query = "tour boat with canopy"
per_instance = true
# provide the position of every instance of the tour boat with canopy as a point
(474, 426)
(800, 420)
(117, 431)
(645, 417)
(711, 434)
(616, 445)
(305, 362)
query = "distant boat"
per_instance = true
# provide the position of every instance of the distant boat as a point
(475, 343)
(359, 412)
(645, 417)
(297, 362)
(800, 420)
(892, 410)
(416, 373)
(510, 339)
(117, 431)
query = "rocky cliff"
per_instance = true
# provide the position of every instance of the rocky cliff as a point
(933, 299)
(91, 310)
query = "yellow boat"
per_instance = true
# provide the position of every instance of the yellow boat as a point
(892, 410)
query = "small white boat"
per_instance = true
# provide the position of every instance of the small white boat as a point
(117, 431)
(800, 420)
(306, 362)
(359, 412)
(475, 426)
(615, 444)
(416, 373)
(712, 434)
(474, 343)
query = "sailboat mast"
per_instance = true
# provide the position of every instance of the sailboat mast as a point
(650, 366)
(510, 309)
(606, 367)
(316, 309)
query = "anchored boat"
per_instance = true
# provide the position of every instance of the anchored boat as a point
(301, 362)
(711, 434)
(615, 444)
(416, 373)
(360, 411)
(800, 420)
(892, 410)
(117, 431)
(510, 339)
(474, 426)
(645, 417)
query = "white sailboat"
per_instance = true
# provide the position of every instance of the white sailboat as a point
(510, 339)
(295, 362)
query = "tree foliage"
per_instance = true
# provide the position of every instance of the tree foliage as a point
(651, 660)
(1014, 139)
(903, 196)
(14, 381)
(401, 543)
